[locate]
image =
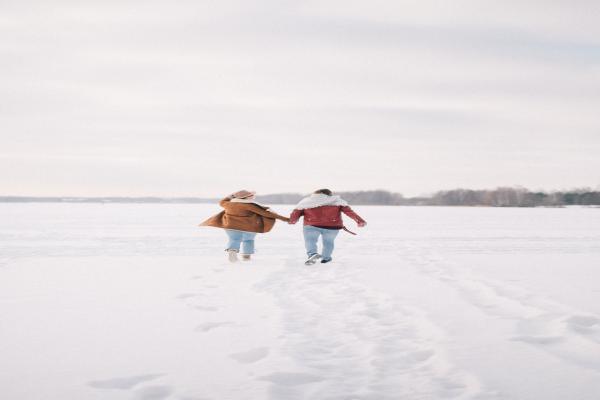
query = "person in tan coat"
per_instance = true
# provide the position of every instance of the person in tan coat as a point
(242, 218)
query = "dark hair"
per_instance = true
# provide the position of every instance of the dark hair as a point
(324, 191)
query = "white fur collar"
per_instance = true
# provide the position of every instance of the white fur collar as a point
(320, 199)
(236, 200)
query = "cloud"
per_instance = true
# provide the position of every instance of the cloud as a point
(406, 95)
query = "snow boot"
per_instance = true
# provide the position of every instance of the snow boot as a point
(246, 257)
(312, 259)
(326, 260)
(232, 255)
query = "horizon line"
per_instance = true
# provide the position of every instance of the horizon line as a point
(515, 187)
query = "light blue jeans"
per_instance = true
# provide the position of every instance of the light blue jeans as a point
(311, 236)
(243, 238)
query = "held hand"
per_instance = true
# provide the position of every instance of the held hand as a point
(362, 224)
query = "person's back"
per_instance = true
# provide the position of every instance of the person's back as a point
(246, 215)
(322, 213)
(329, 216)
(242, 218)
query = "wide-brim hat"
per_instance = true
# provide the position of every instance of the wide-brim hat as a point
(242, 194)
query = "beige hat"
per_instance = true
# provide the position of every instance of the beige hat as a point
(242, 194)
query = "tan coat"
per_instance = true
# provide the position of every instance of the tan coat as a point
(247, 217)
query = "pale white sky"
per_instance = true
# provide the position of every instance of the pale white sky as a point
(201, 98)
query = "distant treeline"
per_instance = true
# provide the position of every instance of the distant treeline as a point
(500, 197)
(369, 197)
(113, 199)
(513, 197)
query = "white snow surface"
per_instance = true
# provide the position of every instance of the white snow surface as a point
(135, 301)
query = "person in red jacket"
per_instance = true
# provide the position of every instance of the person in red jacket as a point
(322, 213)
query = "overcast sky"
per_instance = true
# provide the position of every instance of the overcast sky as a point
(201, 98)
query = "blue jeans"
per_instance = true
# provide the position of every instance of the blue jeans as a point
(237, 238)
(311, 236)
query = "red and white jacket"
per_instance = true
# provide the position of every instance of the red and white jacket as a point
(323, 211)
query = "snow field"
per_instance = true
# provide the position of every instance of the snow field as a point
(136, 302)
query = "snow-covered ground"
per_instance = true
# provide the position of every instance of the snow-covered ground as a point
(137, 302)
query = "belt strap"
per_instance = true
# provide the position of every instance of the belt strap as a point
(349, 231)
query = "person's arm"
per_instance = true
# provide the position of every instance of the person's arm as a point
(295, 216)
(350, 212)
(266, 213)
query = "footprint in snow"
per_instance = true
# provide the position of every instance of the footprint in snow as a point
(583, 323)
(540, 340)
(184, 296)
(208, 326)
(206, 308)
(156, 392)
(123, 383)
(251, 356)
(291, 378)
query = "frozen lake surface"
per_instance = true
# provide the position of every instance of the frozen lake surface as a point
(134, 301)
